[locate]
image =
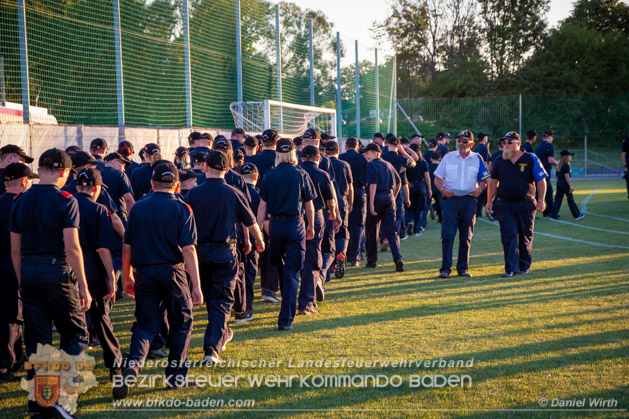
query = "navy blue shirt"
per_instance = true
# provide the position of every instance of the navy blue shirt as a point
(141, 180)
(416, 174)
(6, 202)
(528, 147)
(264, 161)
(400, 163)
(130, 168)
(483, 151)
(517, 182)
(428, 154)
(40, 215)
(221, 208)
(342, 175)
(159, 227)
(117, 185)
(100, 163)
(254, 202)
(237, 181)
(3, 188)
(382, 174)
(543, 152)
(431, 169)
(103, 198)
(495, 155)
(201, 177)
(358, 165)
(285, 189)
(326, 166)
(322, 184)
(236, 144)
(442, 149)
(565, 170)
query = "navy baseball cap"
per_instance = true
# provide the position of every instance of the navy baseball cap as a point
(199, 157)
(98, 144)
(187, 174)
(441, 135)
(73, 149)
(249, 169)
(566, 152)
(14, 149)
(89, 177)
(511, 135)
(117, 156)
(194, 136)
(404, 141)
(181, 151)
(17, 171)
(310, 151)
(332, 146)
(482, 135)
(312, 133)
(217, 160)
(222, 144)
(326, 136)
(393, 140)
(284, 145)
(531, 133)
(466, 134)
(81, 158)
(251, 142)
(298, 141)
(55, 158)
(269, 136)
(165, 171)
(417, 135)
(373, 147)
(378, 135)
(239, 155)
(151, 148)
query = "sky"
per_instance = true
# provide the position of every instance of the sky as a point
(354, 18)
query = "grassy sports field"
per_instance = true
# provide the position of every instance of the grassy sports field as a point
(530, 343)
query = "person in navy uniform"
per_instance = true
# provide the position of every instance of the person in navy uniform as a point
(516, 178)
(182, 158)
(345, 182)
(18, 179)
(223, 208)
(285, 192)
(624, 157)
(250, 148)
(237, 138)
(198, 163)
(96, 235)
(460, 177)
(564, 187)
(358, 209)
(199, 143)
(250, 172)
(483, 151)
(383, 185)
(401, 162)
(141, 177)
(269, 274)
(420, 192)
(545, 152)
(443, 139)
(311, 280)
(160, 238)
(125, 148)
(188, 181)
(98, 149)
(48, 261)
(435, 159)
(531, 136)
(117, 182)
(11, 154)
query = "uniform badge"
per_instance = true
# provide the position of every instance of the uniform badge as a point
(47, 390)
(522, 167)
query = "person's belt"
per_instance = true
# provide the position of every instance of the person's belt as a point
(516, 201)
(282, 216)
(44, 259)
(154, 265)
(210, 245)
(358, 185)
(384, 190)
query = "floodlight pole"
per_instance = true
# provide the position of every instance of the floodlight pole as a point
(21, 17)
(238, 62)
(186, 49)
(357, 92)
(278, 64)
(311, 56)
(395, 95)
(520, 116)
(339, 113)
(4, 96)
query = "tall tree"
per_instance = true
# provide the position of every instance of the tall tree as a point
(601, 15)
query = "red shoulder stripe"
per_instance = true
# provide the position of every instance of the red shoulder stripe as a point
(66, 194)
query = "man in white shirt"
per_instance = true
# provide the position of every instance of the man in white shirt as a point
(461, 177)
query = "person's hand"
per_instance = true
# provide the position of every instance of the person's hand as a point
(407, 203)
(338, 222)
(86, 299)
(430, 193)
(111, 290)
(310, 233)
(571, 189)
(372, 211)
(447, 193)
(476, 192)
(197, 297)
(488, 207)
(247, 244)
(260, 246)
(129, 287)
(541, 205)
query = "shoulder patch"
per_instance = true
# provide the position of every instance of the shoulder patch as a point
(189, 207)
(17, 196)
(66, 194)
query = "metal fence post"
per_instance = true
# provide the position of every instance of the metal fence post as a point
(311, 55)
(4, 95)
(238, 60)
(339, 110)
(520, 116)
(278, 49)
(119, 73)
(21, 17)
(357, 92)
(395, 95)
(186, 49)
(377, 94)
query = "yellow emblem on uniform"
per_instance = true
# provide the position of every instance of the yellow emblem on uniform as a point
(47, 389)
(522, 167)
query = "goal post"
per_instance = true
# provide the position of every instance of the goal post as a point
(289, 119)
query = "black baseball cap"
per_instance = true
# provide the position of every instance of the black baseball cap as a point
(117, 156)
(284, 145)
(393, 140)
(81, 158)
(17, 171)
(373, 147)
(511, 135)
(441, 135)
(181, 151)
(436, 156)
(417, 135)
(326, 136)
(194, 136)
(251, 142)
(98, 144)
(217, 160)
(222, 144)
(55, 158)
(14, 149)
(89, 177)
(298, 141)
(404, 140)
(269, 136)
(312, 133)
(165, 171)
(238, 131)
(378, 135)
(151, 148)
(531, 133)
(547, 134)
(187, 174)
(199, 157)
(482, 135)
(310, 151)
(566, 152)
(249, 169)
(466, 134)
(332, 146)
(72, 149)
(238, 154)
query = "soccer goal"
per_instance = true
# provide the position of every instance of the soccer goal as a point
(289, 119)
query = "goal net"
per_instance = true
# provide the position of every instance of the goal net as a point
(289, 119)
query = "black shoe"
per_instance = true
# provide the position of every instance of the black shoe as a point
(122, 391)
(371, 265)
(490, 216)
(339, 266)
(55, 411)
(243, 317)
(157, 354)
(409, 228)
(319, 291)
(580, 217)
(7, 377)
(288, 327)
(465, 274)
(113, 372)
(508, 275)
(443, 274)
(524, 272)
(399, 266)
(211, 355)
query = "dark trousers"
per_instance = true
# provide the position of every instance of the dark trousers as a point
(548, 198)
(564, 189)
(218, 268)
(480, 204)
(458, 213)
(251, 270)
(438, 197)
(418, 199)
(240, 292)
(356, 224)
(168, 285)
(341, 237)
(399, 214)
(312, 264)
(516, 232)
(269, 276)
(160, 339)
(99, 313)
(288, 247)
(384, 220)
(328, 246)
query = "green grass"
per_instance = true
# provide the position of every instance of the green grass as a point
(560, 332)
